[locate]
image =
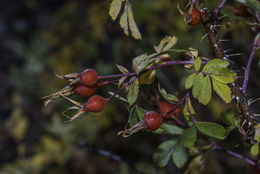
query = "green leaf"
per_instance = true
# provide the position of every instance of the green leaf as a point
(190, 80)
(205, 91)
(123, 21)
(140, 62)
(180, 156)
(223, 75)
(189, 137)
(196, 165)
(197, 85)
(229, 118)
(213, 130)
(133, 117)
(222, 90)
(122, 69)
(213, 64)
(169, 129)
(166, 96)
(255, 149)
(133, 91)
(163, 153)
(140, 112)
(133, 27)
(115, 9)
(197, 64)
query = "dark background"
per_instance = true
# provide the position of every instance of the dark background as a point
(40, 37)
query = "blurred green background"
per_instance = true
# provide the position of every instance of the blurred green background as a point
(40, 37)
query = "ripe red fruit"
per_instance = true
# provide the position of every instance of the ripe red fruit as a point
(88, 77)
(95, 103)
(84, 90)
(195, 17)
(242, 11)
(152, 120)
(166, 107)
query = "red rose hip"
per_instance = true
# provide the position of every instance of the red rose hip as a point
(88, 77)
(95, 103)
(83, 90)
(165, 107)
(196, 17)
(152, 120)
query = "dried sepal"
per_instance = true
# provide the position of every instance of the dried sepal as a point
(129, 131)
(66, 91)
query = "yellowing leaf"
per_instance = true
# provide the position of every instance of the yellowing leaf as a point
(124, 22)
(133, 27)
(133, 91)
(222, 90)
(115, 9)
(166, 43)
(255, 149)
(122, 69)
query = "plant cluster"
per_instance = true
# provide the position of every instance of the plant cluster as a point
(209, 76)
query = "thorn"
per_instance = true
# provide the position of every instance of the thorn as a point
(251, 101)
(203, 37)
(225, 51)
(237, 54)
(222, 17)
(224, 40)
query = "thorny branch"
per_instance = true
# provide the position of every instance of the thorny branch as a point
(209, 20)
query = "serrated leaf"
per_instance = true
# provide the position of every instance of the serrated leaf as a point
(166, 43)
(213, 64)
(197, 85)
(180, 156)
(196, 165)
(189, 81)
(115, 9)
(163, 152)
(189, 137)
(133, 27)
(166, 96)
(140, 112)
(124, 21)
(169, 129)
(205, 94)
(222, 90)
(213, 130)
(223, 75)
(122, 69)
(133, 91)
(255, 149)
(197, 64)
